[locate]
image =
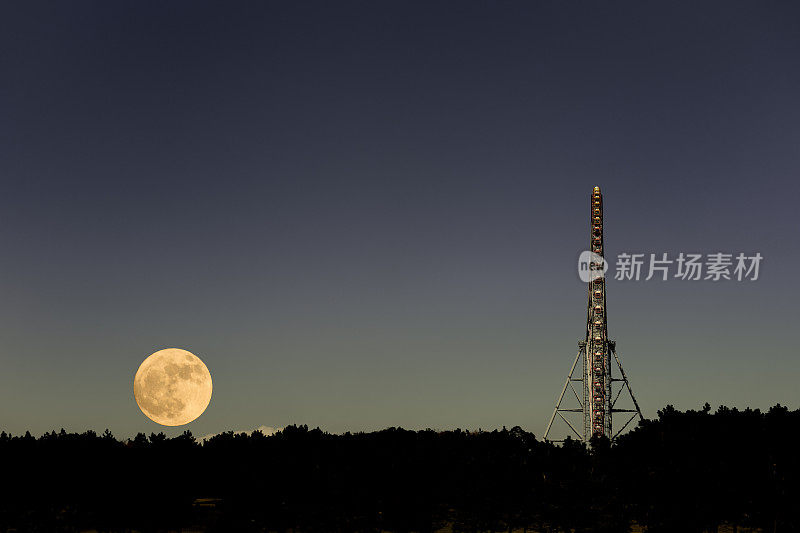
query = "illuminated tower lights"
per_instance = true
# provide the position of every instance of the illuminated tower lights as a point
(598, 400)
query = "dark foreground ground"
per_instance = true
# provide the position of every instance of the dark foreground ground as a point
(688, 471)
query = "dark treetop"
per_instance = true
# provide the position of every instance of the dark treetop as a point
(685, 471)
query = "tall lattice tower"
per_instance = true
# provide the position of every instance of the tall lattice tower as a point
(598, 399)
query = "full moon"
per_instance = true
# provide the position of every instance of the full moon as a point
(172, 387)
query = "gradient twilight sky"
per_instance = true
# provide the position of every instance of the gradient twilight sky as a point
(368, 214)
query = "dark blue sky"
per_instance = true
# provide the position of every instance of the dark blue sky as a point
(367, 214)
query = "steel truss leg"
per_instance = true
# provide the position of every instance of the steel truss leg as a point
(627, 385)
(568, 383)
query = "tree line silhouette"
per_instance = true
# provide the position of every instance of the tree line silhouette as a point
(686, 471)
